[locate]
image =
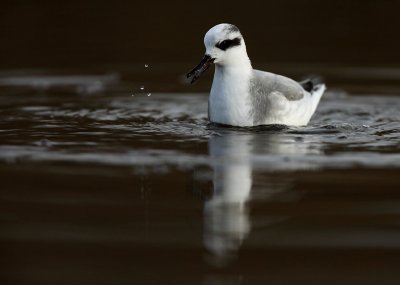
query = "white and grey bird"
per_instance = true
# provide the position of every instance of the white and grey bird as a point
(243, 96)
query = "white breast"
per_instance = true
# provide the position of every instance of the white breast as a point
(228, 103)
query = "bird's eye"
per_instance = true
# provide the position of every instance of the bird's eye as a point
(225, 44)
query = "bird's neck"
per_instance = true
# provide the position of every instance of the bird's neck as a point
(228, 103)
(237, 68)
(239, 61)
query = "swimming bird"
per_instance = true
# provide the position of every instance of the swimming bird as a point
(243, 96)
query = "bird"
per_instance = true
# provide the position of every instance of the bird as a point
(244, 97)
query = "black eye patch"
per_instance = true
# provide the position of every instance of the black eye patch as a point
(225, 44)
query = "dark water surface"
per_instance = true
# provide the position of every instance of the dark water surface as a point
(102, 187)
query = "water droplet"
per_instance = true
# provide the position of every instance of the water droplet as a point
(148, 94)
(146, 65)
(141, 87)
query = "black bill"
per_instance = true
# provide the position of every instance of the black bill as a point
(200, 68)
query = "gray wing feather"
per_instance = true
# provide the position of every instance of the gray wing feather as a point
(264, 83)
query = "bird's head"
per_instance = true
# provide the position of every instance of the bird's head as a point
(224, 46)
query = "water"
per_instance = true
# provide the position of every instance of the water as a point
(102, 187)
(101, 183)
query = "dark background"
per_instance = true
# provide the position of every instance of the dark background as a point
(101, 187)
(42, 34)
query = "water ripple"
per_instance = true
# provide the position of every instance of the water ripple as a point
(345, 132)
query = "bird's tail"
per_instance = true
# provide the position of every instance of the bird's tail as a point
(316, 94)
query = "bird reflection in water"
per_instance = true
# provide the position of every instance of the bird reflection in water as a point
(227, 221)
(226, 214)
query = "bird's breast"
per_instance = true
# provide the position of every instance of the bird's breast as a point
(229, 101)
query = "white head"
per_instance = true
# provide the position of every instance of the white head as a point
(225, 46)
